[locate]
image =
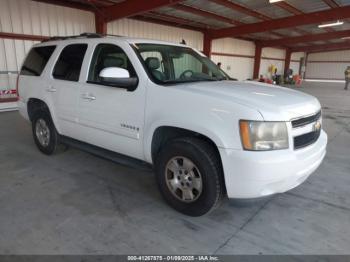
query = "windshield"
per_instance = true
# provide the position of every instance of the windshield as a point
(167, 64)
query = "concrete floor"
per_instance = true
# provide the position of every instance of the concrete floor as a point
(76, 203)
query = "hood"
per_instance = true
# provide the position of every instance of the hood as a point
(274, 103)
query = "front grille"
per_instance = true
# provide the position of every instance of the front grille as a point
(306, 120)
(306, 139)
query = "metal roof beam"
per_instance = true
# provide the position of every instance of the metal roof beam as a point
(285, 22)
(176, 20)
(69, 4)
(155, 20)
(134, 7)
(331, 3)
(322, 48)
(306, 38)
(204, 13)
(291, 9)
(250, 12)
(23, 36)
(200, 12)
(295, 11)
(241, 9)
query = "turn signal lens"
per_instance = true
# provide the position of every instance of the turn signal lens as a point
(245, 135)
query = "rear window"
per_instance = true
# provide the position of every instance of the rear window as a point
(69, 63)
(36, 60)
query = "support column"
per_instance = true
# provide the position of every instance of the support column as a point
(287, 60)
(207, 45)
(100, 24)
(257, 60)
(303, 71)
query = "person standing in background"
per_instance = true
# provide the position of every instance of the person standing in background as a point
(219, 65)
(347, 77)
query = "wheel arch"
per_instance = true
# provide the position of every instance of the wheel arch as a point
(164, 133)
(34, 105)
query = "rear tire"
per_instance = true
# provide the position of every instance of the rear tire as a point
(44, 133)
(190, 177)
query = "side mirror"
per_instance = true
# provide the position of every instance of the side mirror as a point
(118, 77)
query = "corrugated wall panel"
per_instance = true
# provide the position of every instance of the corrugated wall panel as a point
(327, 65)
(29, 17)
(272, 56)
(273, 53)
(297, 55)
(233, 46)
(33, 18)
(343, 55)
(12, 53)
(134, 28)
(266, 63)
(295, 67)
(328, 71)
(3, 65)
(240, 68)
(236, 57)
(11, 60)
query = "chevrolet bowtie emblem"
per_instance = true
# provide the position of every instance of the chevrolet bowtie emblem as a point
(317, 126)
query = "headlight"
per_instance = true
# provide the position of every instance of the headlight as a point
(260, 136)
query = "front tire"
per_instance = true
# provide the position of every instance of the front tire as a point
(190, 176)
(44, 133)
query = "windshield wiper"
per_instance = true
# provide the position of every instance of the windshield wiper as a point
(185, 81)
(191, 80)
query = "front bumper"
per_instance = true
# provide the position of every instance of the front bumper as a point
(251, 174)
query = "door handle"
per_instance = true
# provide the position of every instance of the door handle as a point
(89, 97)
(51, 89)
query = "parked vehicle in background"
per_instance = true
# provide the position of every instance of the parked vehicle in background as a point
(170, 106)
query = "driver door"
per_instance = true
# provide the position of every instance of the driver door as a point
(112, 117)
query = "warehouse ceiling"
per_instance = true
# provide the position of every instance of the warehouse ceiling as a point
(223, 18)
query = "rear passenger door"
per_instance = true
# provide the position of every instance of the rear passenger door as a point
(64, 88)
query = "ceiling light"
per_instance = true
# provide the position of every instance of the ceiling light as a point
(346, 38)
(275, 1)
(331, 24)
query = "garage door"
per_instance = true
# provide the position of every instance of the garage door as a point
(327, 66)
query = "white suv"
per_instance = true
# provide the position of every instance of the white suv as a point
(170, 106)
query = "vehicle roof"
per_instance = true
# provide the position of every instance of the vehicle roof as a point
(100, 38)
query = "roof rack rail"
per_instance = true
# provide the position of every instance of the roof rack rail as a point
(112, 35)
(83, 35)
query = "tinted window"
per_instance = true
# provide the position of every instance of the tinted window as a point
(36, 60)
(168, 64)
(69, 63)
(108, 55)
(151, 55)
(186, 62)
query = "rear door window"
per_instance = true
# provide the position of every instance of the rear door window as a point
(69, 63)
(36, 60)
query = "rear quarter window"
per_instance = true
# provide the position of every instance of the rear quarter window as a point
(36, 60)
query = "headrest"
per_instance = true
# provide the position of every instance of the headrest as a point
(153, 63)
(111, 61)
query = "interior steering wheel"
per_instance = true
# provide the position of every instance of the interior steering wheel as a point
(186, 74)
